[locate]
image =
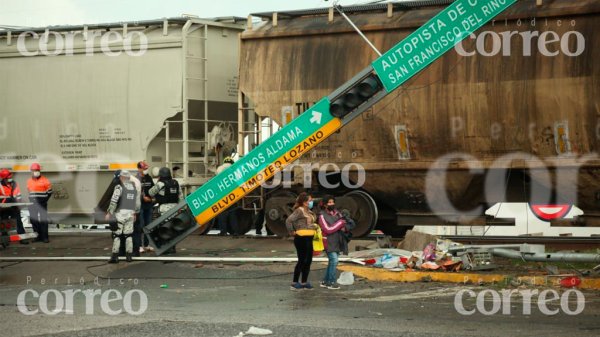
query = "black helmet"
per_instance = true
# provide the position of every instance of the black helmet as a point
(228, 160)
(164, 172)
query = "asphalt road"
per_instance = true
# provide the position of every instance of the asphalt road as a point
(224, 300)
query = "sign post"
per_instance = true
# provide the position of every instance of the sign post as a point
(396, 66)
(434, 38)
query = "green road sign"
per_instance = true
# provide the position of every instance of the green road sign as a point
(270, 157)
(396, 66)
(434, 38)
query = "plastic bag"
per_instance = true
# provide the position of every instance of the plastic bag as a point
(346, 278)
(389, 261)
(318, 241)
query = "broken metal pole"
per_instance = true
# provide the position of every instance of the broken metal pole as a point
(340, 10)
(547, 257)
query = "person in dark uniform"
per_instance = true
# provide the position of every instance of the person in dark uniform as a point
(166, 192)
(145, 216)
(124, 204)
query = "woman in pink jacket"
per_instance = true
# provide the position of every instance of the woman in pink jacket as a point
(332, 225)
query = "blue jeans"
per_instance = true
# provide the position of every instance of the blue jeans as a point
(330, 273)
(145, 218)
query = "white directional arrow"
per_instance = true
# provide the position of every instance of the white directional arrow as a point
(316, 117)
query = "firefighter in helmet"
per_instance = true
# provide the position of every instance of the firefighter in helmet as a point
(124, 204)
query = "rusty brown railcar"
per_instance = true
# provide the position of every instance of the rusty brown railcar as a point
(520, 98)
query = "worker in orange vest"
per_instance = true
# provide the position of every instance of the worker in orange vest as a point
(40, 191)
(11, 193)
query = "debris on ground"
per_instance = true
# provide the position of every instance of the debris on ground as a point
(256, 332)
(420, 251)
(432, 254)
(477, 259)
(414, 240)
(385, 242)
(346, 278)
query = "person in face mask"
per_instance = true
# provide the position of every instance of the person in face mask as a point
(123, 206)
(11, 193)
(40, 191)
(332, 225)
(301, 225)
(145, 216)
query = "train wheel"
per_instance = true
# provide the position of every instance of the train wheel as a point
(362, 209)
(277, 209)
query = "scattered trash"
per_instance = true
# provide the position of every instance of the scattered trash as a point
(451, 265)
(384, 242)
(389, 261)
(256, 332)
(346, 278)
(164, 286)
(429, 252)
(373, 253)
(430, 265)
(477, 259)
(437, 255)
(445, 245)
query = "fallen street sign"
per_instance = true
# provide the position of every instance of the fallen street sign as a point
(436, 37)
(262, 163)
(396, 66)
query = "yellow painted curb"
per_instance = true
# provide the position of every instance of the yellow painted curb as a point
(376, 274)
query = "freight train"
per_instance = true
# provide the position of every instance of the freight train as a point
(85, 101)
(509, 117)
